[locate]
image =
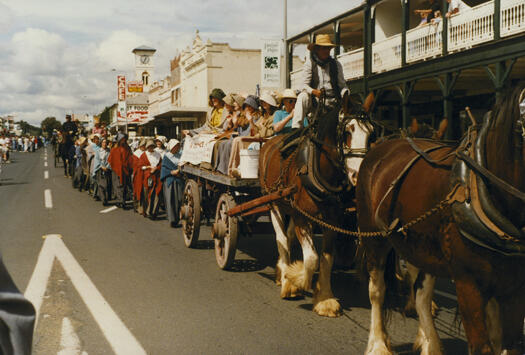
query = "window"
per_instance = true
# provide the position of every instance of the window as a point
(145, 78)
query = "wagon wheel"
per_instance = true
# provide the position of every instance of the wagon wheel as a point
(225, 231)
(190, 213)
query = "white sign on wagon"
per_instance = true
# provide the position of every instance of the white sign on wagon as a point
(198, 149)
(271, 63)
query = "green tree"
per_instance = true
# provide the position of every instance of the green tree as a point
(104, 115)
(49, 124)
(29, 129)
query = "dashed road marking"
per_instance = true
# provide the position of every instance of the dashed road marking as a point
(117, 334)
(48, 200)
(46, 174)
(45, 157)
(45, 164)
(113, 208)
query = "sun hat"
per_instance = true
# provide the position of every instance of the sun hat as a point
(321, 40)
(289, 94)
(142, 142)
(172, 143)
(251, 101)
(269, 99)
(217, 94)
(228, 100)
(81, 140)
(150, 142)
(238, 99)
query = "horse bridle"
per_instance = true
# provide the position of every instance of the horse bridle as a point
(343, 150)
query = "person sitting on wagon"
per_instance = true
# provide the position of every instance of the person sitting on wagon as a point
(263, 128)
(252, 114)
(215, 117)
(321, 73)
(172, 183)
(282, 119)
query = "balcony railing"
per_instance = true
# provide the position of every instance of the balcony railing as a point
(386, 54)
(471, 27)
(424, 42)
(512, 17)
(468, 28)
(352, 62)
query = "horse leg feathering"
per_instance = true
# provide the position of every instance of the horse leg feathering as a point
(427, 339)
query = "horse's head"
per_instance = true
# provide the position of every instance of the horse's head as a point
(354, 131)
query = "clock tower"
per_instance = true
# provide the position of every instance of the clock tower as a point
(144, 66)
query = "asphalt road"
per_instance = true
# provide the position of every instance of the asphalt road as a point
(119, 280)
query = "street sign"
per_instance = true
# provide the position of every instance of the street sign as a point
(271, 63)
(121, 88)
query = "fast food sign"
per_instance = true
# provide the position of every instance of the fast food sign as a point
(121, 88)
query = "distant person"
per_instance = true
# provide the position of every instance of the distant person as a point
(121, 162)
(455, 6)
(172, 182)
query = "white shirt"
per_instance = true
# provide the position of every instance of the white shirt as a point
(323, 73)
(153, 158)
(160, 151)
(457, 4)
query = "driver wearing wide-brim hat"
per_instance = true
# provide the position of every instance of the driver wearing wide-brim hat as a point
(320, 72)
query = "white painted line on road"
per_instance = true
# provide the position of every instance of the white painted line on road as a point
(45, 157)
(69, 341)
(45, 164)
(113, 208)
(46, 174)
(48, 200)
(117, 334)
(446, 295)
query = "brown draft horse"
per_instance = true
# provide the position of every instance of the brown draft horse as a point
(341, 142)
(490, 285)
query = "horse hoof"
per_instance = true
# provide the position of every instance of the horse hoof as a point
(289, 291)
(328, 308)
(378, 349)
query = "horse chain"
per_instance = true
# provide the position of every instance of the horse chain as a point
(438, 207)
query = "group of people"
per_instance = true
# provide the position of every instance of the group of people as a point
(14, 143)
(432, 15)
(109, 169)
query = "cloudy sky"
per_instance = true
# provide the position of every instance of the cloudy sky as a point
(56, 56)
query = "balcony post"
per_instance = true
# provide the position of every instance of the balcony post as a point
(444, 37)
(405, 91)
(404, 27)
(367, 46)
(497, 19)
(289, 49)
(337, 39)
(447, 88)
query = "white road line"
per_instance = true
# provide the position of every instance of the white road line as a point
(45, 157)
(117, 334)
(69, 341)
(46, 174)
(48, 200)
(113, 208)
(446, 295)
(45, 164)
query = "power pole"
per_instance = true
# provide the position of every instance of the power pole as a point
(285, 45)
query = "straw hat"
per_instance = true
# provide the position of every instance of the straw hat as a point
(269, 99)
(289, 94)
(321, 40)
(229, 100)
(81, 140)
(238, 99)
(172, 143)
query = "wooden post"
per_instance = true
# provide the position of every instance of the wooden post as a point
(447, 88)
(444, 36)
(337, 39)
(367, 45)
(497, 19)
(405, 16)
(405, 91)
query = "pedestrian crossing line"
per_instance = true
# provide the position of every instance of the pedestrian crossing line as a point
(112, 208)
(48, 200)
(117, 334)
(46, 174)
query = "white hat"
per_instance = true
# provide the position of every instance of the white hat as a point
(289, 94)
(172, 143)
(269, 99)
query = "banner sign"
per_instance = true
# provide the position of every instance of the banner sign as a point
(121, 88)
(121, 109)
(198, 149)
(135, 86)
(271, 63)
